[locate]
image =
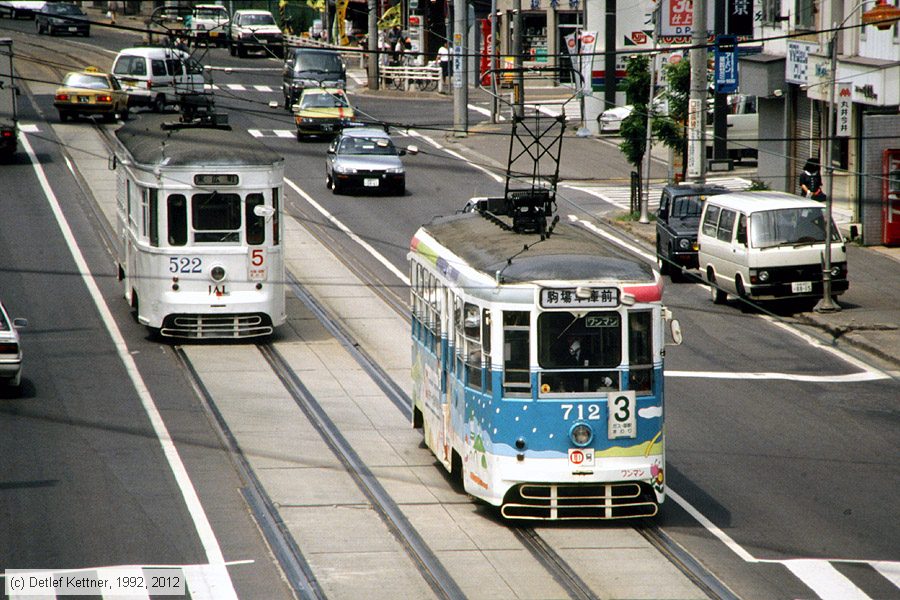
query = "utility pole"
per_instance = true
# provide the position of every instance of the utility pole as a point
(372, 61)
(519, 85)
(460, 70)
(696, 167)
(610, 80)
(492, 52)
(648, 146)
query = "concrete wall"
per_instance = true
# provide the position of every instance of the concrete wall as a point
(887, 128)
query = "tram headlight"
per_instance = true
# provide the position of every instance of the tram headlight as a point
(217, 273)
(581, 434)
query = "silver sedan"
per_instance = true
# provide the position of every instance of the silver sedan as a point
(10, 349)
(365, 159)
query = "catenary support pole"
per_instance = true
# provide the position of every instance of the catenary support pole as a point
(696, 167)
(460, 69)
(373, 60)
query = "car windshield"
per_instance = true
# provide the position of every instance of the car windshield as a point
(209, 13)
(323, 101)
(687, 206)
(367, 145)
(327, 62)
(65, 9)
(90, 82)
(257, 20)
(788, 226)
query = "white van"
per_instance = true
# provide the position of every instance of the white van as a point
(766, 246)
(154, 76)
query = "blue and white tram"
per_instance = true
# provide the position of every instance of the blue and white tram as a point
(538, 368)
(199, 228)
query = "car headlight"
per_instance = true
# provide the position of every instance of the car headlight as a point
(684, 243)
(394, 170)
(307, 120)
(835, 270)
(581, 434)
(344, 169)
(763, 276)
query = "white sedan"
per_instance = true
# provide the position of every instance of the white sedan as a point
(10, 349)
(611, 119)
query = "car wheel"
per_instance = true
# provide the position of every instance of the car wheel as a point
(38, 28)
(241, 52)
(328, 181)
(159, 103)
(64, 116)
(335, 188)
(718, 296)
(231, 49)
(123, 114)
(401, 189)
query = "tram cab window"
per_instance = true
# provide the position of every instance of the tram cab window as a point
(472, 339)
(640, 350)
(579, 352)
(216, 217)
(516, 351)
(276, 234)
(256, 225)
(149, 215)
(176, 209)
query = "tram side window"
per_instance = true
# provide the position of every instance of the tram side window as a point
(472, 335)
(256, 226)
(154, 217)
(433, 308)
(640, 350)
(486, 347)
(458, 343)
(216, 218)
(276, 222)
(516, 349)
(176, 210)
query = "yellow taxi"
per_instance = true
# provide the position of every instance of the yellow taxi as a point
(322, 111)
(91, 92)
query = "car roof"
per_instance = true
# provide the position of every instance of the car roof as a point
(750, 202)
(216, 6)
(253, 11)
(329, 91)
(164, 51)
(365, 132)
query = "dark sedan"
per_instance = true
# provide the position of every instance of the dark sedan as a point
(61, 17)
(365, 159)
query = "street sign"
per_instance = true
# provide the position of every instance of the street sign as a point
(726, 64)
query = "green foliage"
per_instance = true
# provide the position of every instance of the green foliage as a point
(670, 129)
(634, 126)
(758, 185)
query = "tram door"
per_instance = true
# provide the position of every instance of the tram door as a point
(890, 216)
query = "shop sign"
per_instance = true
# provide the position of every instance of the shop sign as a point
(796, 67)
(843, 106)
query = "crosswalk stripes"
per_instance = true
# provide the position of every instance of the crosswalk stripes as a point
(620, 195)
(200, 582)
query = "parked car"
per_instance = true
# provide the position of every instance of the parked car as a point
(54, 18)
(155, 76)
(10, 349)
(677, 220)
(768, 246)
(307, 67)
(610, 120)
(254, 30)
(208, 25)
(742, 128)
(365, 158)
(22, 8)
(322, 111)
(91, 92)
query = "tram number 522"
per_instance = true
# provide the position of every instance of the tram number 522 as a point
(185, 264)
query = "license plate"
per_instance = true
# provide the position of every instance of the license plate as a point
(327, 127)
(801, 287)
(83, 99)
(73, 29)
(370, 182)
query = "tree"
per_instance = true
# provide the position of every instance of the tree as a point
(634, 126)
(671, 128)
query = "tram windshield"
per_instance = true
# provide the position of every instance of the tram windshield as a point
(588, 341)
(216, 217)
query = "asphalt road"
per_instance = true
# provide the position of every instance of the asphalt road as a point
(770, 439)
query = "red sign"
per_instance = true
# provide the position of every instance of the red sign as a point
(415, 20)
(638, 37)
(587, 38)
(577, 457)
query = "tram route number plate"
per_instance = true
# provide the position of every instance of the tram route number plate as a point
(370, 182)
(622, 422)
(801, 287)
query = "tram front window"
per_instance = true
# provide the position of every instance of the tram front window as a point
(216, 217)
(579, 352)
(256, 225)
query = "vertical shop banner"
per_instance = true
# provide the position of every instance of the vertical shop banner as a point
(843, 95)
(726, 73)
(486, 38)
(740, 17)
(696, 149)
(340, 22)
(586, 55)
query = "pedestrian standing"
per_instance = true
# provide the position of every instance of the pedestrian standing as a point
(112, 7)
(444, 59)
(811, 181)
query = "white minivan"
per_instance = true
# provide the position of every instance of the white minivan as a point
(767, 246)
(154, 76)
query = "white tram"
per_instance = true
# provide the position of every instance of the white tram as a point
(537, 368)
(199, 227)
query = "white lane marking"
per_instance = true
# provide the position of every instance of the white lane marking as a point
(111, 573)
(368, 248)
(487, 172)
(182, 479)
(255, 132)
(827, 582)
(484, 111)
(28, 128)
(237, 87)
(636, 249)
(263, 88)
(285, 133)
(848, 378)
(890, 570)
(711, 527)
(207, 582)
